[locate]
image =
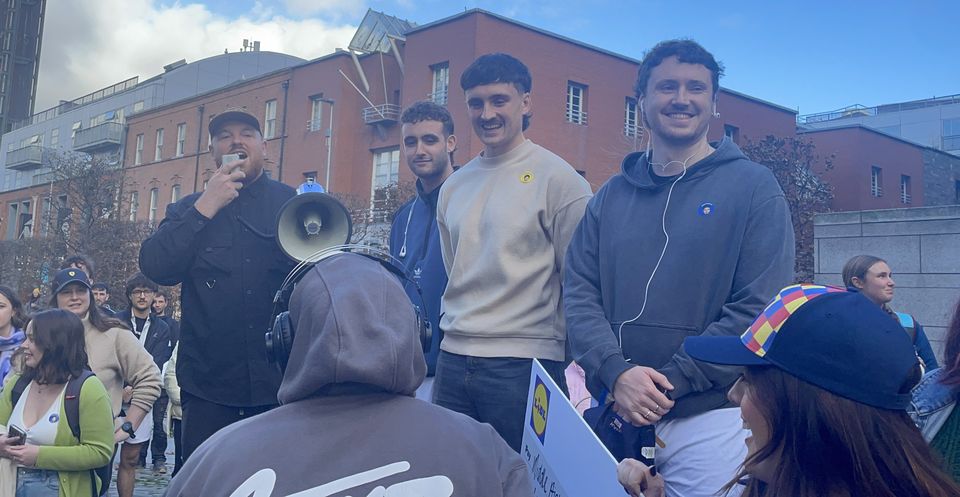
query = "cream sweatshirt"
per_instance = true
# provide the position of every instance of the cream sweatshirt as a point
(505, 223)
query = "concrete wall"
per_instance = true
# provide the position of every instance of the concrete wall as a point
(921, 245)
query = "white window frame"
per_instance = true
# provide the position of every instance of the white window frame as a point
(181, 138)
(270, 119)
(138, 151)
(631, 115)
(876, 181)
(316, 114)
(174, 193)
(54, 137)
(905, 197)
(576, 103)
(441, 83)
(134, 204)
(154, 199)
(158, 151)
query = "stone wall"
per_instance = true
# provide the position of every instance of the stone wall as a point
(941, 172)
(922, 246)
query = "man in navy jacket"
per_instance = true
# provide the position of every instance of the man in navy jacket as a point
(428, 145)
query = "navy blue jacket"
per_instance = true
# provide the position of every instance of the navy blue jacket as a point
(731, 250)
(415, 241)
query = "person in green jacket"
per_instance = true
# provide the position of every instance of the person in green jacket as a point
(49, 456)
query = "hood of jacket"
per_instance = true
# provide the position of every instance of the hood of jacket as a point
(355, 330)
(637, 171)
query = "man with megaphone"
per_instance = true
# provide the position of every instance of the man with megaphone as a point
(220, 244)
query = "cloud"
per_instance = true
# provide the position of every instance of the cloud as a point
(330, 7)
(90, 44)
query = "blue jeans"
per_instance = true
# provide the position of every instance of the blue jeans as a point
(490, 389)
(37, 483)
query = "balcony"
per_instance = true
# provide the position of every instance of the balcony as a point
(381, 114)
(25, 158)
(438, 97)
(102, 137)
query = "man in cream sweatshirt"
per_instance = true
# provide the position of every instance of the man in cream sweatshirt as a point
(505, 220)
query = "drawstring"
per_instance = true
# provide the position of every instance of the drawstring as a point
(403, 248)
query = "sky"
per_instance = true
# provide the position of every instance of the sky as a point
(811, 56)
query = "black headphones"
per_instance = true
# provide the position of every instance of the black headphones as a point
(279, 340)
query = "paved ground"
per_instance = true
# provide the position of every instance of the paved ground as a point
(148, 483)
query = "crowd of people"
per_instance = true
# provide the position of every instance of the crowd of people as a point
(671, 287)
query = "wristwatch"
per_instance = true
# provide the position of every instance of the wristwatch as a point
(128, 427)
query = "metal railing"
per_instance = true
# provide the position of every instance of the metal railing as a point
(100, 136)
(438, 97)
(876, 190)
(381, 113)
(905, 198)
(100, 94)
(24, 158)
(577, 117)
(860, 110)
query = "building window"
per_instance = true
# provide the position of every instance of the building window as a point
(158, 153)
(316, 114)
(13, 210)
(154, 198)
(576, 103)
(134, 204)
(956, 192)
(876, 181)
(630, 118)
(181, 138)
(441, 83)
(54, 137)
(73, 131)
(904, 189)
(386, 167)
(138, 154)
(138, 106)
(951, 135)
(732, 132)
(174, 194)
(270, 120)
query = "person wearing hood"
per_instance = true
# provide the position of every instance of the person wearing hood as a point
(428, 145)
(349, 423)
(691, 238)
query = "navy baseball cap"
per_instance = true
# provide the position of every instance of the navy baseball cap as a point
(233, 114)
(66, 276)
(837, 340)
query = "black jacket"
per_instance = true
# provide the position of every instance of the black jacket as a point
(159, 341)
(230, 267)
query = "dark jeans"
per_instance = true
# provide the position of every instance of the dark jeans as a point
(177, 446)
(202, 418)
(490, 389)
(158, 441)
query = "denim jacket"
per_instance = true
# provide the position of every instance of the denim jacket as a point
(932, 403)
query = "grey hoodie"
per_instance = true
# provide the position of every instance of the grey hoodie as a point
(349, 424)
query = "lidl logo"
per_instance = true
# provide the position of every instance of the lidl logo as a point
(541, 406)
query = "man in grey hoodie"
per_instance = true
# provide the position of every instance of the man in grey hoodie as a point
(348, 423)
(691, 238)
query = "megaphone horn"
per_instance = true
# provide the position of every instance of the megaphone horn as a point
(311, 222)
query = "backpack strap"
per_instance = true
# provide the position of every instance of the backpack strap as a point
(71, 404)
(18, 389)
(908, 324)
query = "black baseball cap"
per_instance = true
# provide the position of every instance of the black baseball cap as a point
(827, 336)
(233, 114)
(66, 276)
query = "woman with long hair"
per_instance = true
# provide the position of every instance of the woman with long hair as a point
(117, 358)
(49, 456)
(12, 322)
(871, 276)
(935, 401)
(824, 394)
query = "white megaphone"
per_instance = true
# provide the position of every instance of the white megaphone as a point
(311, 222)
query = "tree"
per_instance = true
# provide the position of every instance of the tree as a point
(372, 217)
(84, 212)
(798, 169)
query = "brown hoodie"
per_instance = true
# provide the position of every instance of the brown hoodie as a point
(349, 424)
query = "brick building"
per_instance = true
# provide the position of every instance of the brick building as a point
(336, 117)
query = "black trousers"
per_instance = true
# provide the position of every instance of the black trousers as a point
(177, 446)
(158, 440)
(202, 418)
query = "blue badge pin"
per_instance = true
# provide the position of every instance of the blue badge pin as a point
(54, 418)
(706, 208)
